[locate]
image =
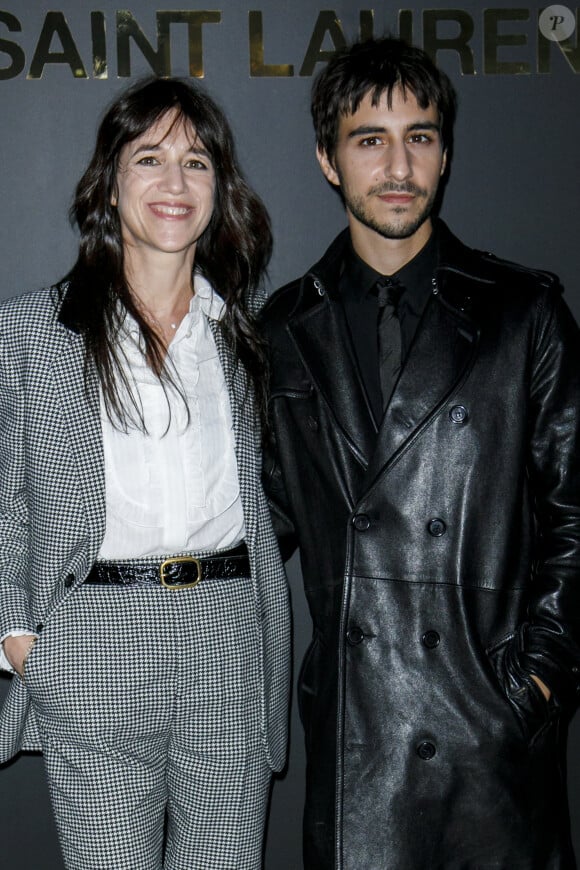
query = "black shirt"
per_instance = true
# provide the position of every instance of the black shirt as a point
(360, 302)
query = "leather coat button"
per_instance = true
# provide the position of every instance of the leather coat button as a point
(355, 635)
(458, 414)
(69, 580)
(431, 639)
(361, 522)
(436, 527)
(426, 750)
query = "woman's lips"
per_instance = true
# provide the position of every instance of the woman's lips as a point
(170, 210)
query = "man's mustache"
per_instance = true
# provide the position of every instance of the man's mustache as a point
(391, 187)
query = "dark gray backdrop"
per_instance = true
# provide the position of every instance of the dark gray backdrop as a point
(514, 189)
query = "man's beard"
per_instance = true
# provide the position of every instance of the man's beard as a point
(358, 206)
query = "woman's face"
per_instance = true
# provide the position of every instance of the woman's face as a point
(165, 190)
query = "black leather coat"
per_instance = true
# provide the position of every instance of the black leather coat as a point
(441, 561)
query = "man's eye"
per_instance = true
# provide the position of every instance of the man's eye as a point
(369, 141)
(419, 138)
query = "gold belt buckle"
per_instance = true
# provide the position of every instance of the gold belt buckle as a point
(164, 565)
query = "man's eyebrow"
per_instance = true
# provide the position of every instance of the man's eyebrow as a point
(364, 130)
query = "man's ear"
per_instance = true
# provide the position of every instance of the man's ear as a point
(443, 162)
(327, 167)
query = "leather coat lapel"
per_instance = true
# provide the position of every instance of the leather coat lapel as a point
(325, 346)
(81, 415)
(440, 357)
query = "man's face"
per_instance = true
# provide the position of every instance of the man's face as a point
(388, 163)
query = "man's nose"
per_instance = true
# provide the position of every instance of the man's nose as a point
(398, 162)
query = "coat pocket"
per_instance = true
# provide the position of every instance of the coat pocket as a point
(533, 713)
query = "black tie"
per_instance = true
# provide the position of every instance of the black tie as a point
(389, 335)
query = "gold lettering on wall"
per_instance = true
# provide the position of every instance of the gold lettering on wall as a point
(406, 26)
(99, 41)
(452, 32)
(11, 48)
(326, 23)
(195, 21)
(257, 66)
(432, 43)
(493, 40)
(366, 23)
(55, 25)
(159, 59)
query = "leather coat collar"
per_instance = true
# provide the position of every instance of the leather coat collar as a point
(438, 360)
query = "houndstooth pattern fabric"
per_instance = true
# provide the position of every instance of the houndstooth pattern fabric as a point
(154, 701)
(52, 502)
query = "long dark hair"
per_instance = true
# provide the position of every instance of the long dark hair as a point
(232, 253)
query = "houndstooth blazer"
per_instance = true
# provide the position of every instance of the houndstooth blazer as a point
(52, 499)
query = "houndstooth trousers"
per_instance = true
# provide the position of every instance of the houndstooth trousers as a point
(147, 702)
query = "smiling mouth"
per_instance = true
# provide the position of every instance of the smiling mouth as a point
(176, 211)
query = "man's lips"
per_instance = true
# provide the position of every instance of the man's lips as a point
(397, 198)
(171, 210)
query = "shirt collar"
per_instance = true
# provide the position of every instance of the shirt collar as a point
(416, 276)
(209, 301)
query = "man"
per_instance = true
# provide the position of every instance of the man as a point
(425, 417)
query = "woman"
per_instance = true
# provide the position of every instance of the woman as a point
(142, 598)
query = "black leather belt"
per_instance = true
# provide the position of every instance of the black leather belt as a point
(177, 572)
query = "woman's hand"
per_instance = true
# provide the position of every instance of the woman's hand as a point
(17, 649)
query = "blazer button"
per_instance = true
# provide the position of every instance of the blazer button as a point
(458, 414)
(39, 627)
(426, 750)
(431, 639)
(355, 635)
(69, 580)
(361, 522)
(436, 527)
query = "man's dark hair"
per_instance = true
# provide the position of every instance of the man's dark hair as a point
(232, 252)
(377, 67)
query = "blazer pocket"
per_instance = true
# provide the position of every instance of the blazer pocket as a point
(533, 712)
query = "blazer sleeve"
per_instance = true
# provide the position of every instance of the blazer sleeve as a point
(14, 521)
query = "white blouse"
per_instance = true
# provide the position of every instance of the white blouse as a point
(175, 487)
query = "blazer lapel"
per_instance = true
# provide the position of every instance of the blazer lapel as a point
(246, 432)
(325, 347)
(440, 357)
(80, 412)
